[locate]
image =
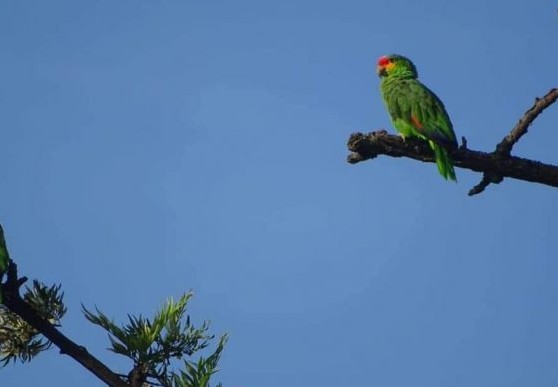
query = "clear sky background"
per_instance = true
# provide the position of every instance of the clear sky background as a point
(153, 147)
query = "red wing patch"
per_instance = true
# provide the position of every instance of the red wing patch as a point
(416, 122)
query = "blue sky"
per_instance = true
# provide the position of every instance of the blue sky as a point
(153, 147)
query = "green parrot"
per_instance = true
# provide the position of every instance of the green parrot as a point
(4, 256)
(416, 111)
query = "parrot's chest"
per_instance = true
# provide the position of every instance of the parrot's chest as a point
(397, 98)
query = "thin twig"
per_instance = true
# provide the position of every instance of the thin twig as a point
(477, 189)
(505, 146)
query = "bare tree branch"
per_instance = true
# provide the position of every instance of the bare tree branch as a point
(13, 301)
(369, 146)
(495, 166)
(505, 146)
(503, 149)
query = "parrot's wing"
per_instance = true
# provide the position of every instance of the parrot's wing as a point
(429, 117)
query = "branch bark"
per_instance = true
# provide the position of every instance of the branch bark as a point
(14, 302)
(368, 146)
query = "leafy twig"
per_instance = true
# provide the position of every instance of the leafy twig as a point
(13, 302)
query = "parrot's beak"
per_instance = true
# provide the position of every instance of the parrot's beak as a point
(381, 71)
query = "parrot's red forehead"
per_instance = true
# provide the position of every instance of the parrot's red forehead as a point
(384, 60)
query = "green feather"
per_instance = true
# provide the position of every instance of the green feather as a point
(443, 161)
(416, 111)
(4, 257)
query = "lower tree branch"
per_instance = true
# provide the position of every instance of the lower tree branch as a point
(495, 166)
(14, 302)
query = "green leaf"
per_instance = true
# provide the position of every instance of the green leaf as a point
(155, 343)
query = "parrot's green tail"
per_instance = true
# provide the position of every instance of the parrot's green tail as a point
(443, 161)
